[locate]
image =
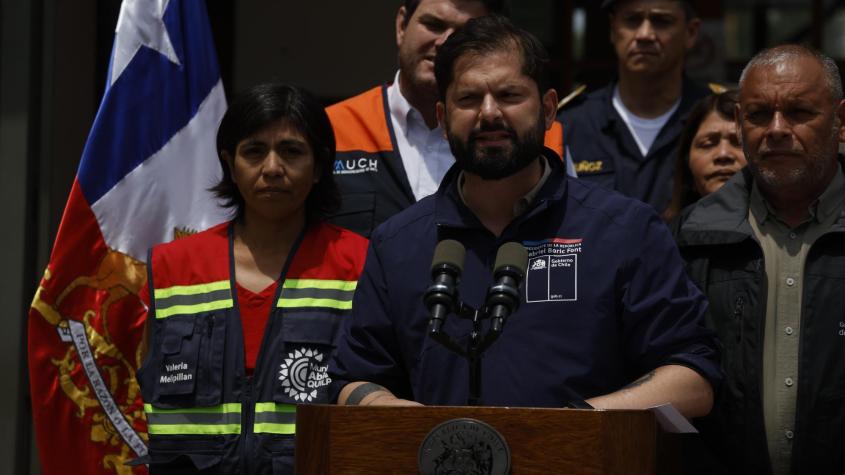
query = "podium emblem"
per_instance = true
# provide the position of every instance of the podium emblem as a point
(464, 446)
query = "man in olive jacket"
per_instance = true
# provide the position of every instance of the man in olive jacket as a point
(768, 250)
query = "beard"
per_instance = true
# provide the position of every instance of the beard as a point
(805, 176)
(495, 163)
(814, 169)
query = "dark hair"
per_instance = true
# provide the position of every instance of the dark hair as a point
(492, 6)
(263, 105)
(683, 186)
(489, 34)
(686, 5)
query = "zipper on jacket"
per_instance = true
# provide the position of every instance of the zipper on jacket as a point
(739, 305)
(247, 418)
(208, 349)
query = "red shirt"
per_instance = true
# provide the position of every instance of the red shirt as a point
(255, 310)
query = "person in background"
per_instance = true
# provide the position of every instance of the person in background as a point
(243, 316)
(709, 152)
(768, 250)
(624, 135)
(391, 152)
(631, 338)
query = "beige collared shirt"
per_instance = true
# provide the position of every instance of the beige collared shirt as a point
(523, 203)
(785, 253)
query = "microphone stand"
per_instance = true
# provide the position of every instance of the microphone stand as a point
(475, 349)
(474, 352)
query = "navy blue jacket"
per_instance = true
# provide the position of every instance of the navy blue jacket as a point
(605, 301)
(604, 151)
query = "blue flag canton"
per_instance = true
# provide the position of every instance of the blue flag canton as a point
(151, 100)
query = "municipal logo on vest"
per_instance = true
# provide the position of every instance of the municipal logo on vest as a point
(303, 373)
(355, 166)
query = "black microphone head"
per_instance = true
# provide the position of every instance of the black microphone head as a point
(449, 253)
(511, 255)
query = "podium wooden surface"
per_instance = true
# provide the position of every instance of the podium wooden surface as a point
(343, 439)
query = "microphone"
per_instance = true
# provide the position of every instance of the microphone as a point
(503, 295)
(442, 295)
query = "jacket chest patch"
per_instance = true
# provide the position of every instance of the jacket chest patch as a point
(303, 372)
(552, 270)
(354, 166)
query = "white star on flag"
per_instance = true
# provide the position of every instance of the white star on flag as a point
(140, 24)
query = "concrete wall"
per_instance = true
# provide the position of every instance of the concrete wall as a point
(335, 49)
(46, 108)
(15, 28)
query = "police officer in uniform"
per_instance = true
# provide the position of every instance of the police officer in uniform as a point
(623, 135)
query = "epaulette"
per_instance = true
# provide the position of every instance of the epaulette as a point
(716, 88)
(572, 95)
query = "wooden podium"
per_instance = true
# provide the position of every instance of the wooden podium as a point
(343, 439)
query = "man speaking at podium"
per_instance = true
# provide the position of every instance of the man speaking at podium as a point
(606, 313)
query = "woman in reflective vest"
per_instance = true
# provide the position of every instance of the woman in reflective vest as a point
(243, 316)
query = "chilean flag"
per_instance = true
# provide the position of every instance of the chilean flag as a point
(143, 179)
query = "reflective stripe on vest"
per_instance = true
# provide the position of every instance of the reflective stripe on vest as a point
(306, 293)
(192, 299)
(274, 418)
(224, 419)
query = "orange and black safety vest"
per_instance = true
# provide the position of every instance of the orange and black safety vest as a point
(203, 412)
(368, 168)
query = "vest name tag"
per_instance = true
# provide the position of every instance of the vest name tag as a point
(176, 373)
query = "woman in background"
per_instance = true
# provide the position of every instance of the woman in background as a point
(243, 316)
(709, 152)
